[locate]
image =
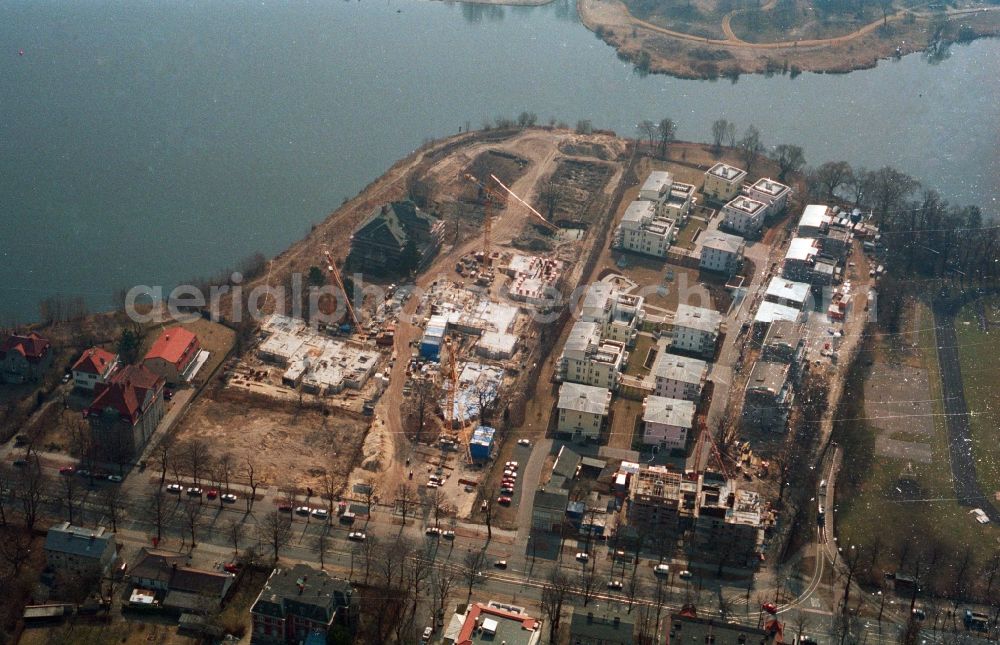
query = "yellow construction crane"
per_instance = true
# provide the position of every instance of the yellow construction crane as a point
(493, 199)
(331, 268)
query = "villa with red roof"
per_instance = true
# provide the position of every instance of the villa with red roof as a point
(173, 354)
(24, 357)
(125, 412)
(95, 366)
(493, 623)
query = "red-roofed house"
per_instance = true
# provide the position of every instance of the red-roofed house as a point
(24, 357)
(125, 413)
(496, 623)
(95, 366)
(173, 353)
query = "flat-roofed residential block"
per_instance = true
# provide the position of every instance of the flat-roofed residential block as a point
(773, 193)
(744, 215)
(582, 410)
(696, 329)
(723, 182)
(588, 359)
(642, 230)
(678, 377)
(721, 252)
(667, 422)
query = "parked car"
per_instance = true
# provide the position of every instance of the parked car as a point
(357, 536)
(500, 564)
(194, 491)
(231, 567)
(428, 632)
(83, 472)
(510, 473)
(523, 442)
(448, 535)
(504, 500)
(582, 556)
(433, 531)
(175, 488)
(511, 464)
(685, 575)
(168, 394)
(229, 498)
(770, 607)
(67, 470)
(302, 510)
(212, 493)
(20, 463)
(320, 513)
(615, 585)
(433, 484)
(116, 479)
(506, 491)
(285, 507)
(661, 569)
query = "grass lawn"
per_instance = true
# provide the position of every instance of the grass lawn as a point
(685, 239)
(214, 337)
(981, 379)
(869, 507)
(637, 356)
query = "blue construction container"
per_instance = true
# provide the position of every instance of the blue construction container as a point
(481, 444)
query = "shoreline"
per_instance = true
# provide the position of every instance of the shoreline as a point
(658, 50)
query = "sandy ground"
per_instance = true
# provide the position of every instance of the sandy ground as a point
(682, 54)
(292, 446)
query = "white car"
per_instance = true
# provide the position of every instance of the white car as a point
(175, 488)
(302, 510)
(117, 479)
(448, 535)
(523, 442)
(582, 556)
(511, 464)
(685, 575)
(661, 569)
(320, 513)
(433, 531)
(357, 536)
(194, 491)
(615, 585)
(980, 515)
(228, 498)
(433, 484)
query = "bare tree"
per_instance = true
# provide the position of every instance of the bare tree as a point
(369, 551)
(588, 580)
(489, 508)
(719, 127)
(276, 529)
(750, 147)
(648, 129)
(164, 452)
(71, 496)
(369, 492)
(191, 513)
(832, 175)
(472, 566)
(405, 498)
(320, 542)
(234, 530)
(253, 482)
(556, 592)
(438, 503)
(6, 483)
(550, 195)
(421, 406)
(666, 131)
(442, 583)
(224, 468)
(157, 512)
(112, 503)
(330, 486)
(30, 490)
(790, 158)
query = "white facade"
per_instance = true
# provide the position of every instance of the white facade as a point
(723, 182)
(678, 377)
(721, 252)
(656, 186)
(667, 422)
(620, 315)
(696, 329)
(589, 360)
(644, 231)
(770, 192)
(786, 292)
(671, 198)
(744, 215)
(582, 410)
(800, 259)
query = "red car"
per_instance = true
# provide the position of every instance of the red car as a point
(231, 567)
(770, 607)
(504, 500)
(284, 507)
(212, 493)
(67, 470)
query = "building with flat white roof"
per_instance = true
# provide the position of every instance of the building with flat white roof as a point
(619, 314)
(671, 198)
(815, 220)
(721, 252)
(723, 182)
(642, 230)
(588, 359)
(769, 313)
(770, 192)
(789, 293)
(678, 377)
(800, 258)
(696, 329)
(582, 410)
(666, 422)
(656, 186)
(744, 215)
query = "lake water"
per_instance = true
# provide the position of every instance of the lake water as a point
(144, 142)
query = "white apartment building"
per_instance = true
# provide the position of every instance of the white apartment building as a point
(800, 259)
(666, 422)
(723, 182)
(619, 314)
(582, 410)
(589, 360)
(673, 199)
(744, 215)
(815, 220)
(721, 252)
(678, 377)
(696, 329)
(770, 192)
(642, 230)
(789, 293)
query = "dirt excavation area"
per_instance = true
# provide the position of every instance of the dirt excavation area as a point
(291, 445)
